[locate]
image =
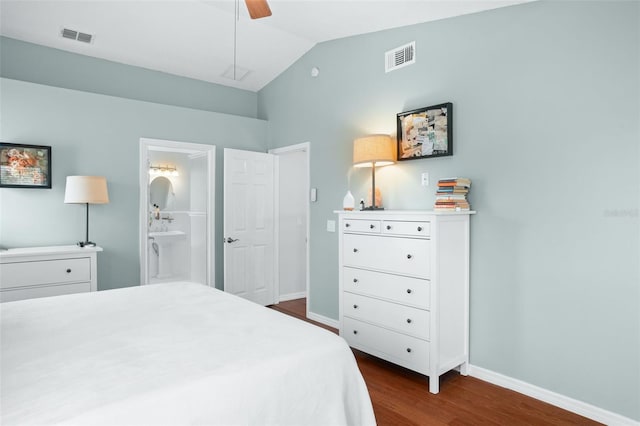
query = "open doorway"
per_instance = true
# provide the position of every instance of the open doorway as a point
(292, 221)
(177, 196)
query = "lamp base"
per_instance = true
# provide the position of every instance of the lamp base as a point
(373, 208)
(85, 244)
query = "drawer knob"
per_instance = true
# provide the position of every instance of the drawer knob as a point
(388, 227)
(409, 291)
(355, 250)
(355, 306)
(419, 228)
(408, 320)
(68, 270)
(346, 225)
(372, 226)
(409, 256)
(355, 280)
(408, 349)
(355, 331)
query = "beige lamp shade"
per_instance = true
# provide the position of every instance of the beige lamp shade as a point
(86, 189)
(378, 149)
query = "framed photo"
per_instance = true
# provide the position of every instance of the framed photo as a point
(25, 166)
(426, 132)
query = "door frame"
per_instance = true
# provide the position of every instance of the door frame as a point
(147, 144)
(306, 148)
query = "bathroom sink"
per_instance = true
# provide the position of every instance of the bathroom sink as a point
(166, 236)
(161, 244)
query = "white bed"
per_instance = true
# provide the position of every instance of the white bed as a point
(176, 353)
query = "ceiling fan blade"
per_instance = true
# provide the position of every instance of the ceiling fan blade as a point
(258, 8)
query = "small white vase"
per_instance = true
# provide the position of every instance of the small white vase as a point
(348, 203)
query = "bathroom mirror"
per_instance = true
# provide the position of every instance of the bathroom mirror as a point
(159, 192)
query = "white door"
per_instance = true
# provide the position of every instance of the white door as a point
(249, 225)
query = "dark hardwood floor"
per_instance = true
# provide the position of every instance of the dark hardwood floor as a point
(401, 396)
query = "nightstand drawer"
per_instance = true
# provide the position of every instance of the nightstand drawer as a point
(398, 348)
(414, 229)
(43, 291)
(22, 274)
(403, 319)
(408, 291)
(361, 225)
(406, 256)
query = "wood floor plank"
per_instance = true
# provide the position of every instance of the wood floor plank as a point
(401, 397)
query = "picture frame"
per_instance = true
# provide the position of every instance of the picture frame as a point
(25, 166)
(425, 132)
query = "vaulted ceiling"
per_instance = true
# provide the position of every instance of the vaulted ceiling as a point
(199, 39)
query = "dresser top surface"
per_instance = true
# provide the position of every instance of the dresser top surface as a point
(383, 213)
(45, 251)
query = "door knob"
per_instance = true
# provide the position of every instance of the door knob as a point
(231, 240)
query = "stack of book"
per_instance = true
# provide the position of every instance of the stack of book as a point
(452, 194)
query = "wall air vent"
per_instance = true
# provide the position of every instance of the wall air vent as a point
(76, 35)
(400, 57)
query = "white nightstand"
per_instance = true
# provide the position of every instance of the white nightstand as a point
(27, 273)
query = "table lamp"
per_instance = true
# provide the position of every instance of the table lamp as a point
(86, 190)
(372, 151)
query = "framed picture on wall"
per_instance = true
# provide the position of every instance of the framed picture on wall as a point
(25, 166)
(425, 132)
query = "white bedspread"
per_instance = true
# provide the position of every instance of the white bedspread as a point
(175, 353)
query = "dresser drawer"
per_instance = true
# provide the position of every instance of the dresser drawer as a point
(414, 229)
(21, 274)
(361, 225)
(44, 291)
(407, 256)
(397, 288)
(403, 319)
(398, 348)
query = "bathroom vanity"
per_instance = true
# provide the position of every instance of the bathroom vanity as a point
(28, 273)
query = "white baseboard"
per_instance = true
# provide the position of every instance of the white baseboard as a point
(582, 408)
(323, 320)
(292, 296)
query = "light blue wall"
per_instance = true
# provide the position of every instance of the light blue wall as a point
(99, 135)
(38, 64)
(546, 124)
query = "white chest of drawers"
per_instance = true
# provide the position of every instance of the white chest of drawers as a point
(404, 288)
(27, 273)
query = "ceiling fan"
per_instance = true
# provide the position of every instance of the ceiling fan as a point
(258, 8)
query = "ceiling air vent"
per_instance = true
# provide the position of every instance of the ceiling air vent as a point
(235, 72)
(400, 57)
(76, 35)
